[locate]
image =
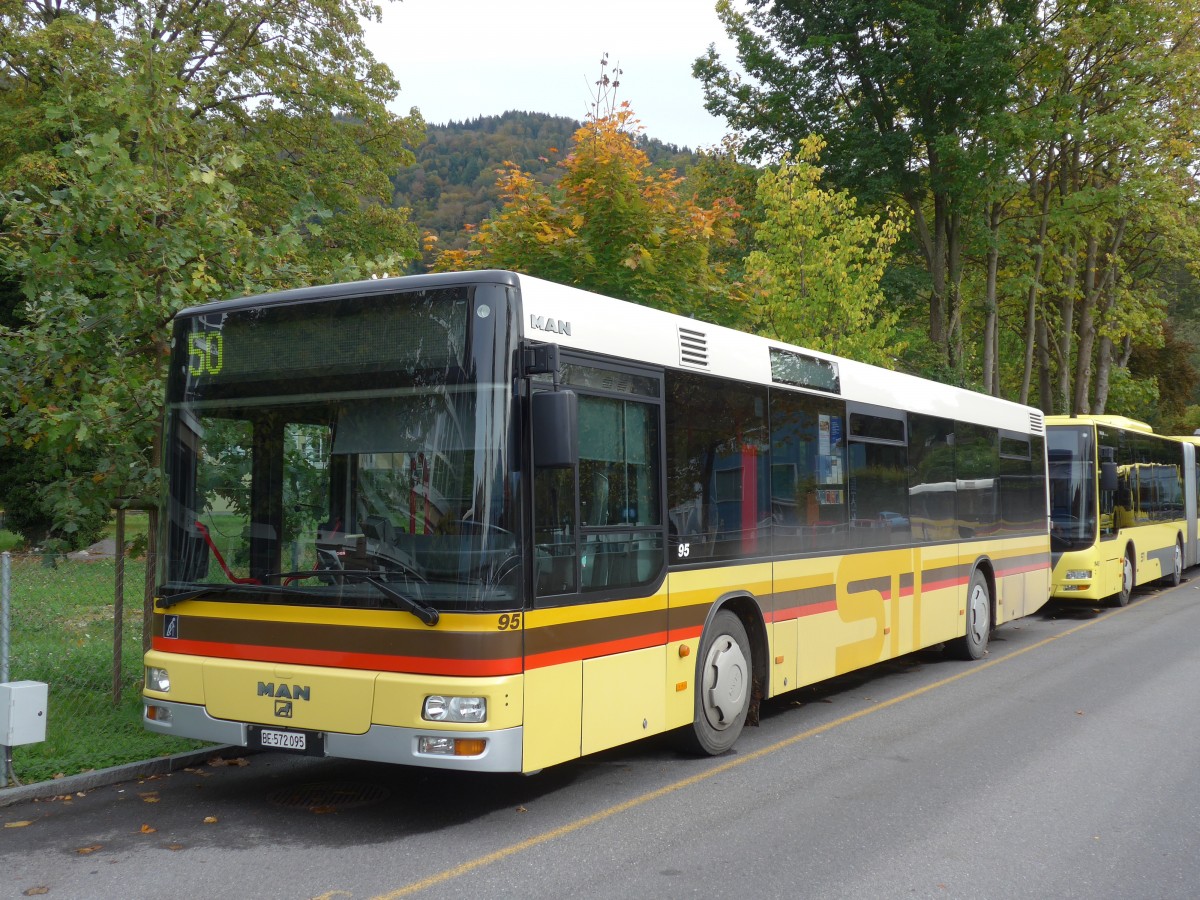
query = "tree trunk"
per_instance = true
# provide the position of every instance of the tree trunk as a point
(991, 342)
(1045, 388)
(954, 338)
(1104, 361)
(1031, 320)
(1087, 331)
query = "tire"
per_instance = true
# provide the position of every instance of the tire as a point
(974, 644)
(1172, 578)
(1128, 575)
(724, 674)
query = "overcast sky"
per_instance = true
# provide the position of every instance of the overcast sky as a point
(457, 59)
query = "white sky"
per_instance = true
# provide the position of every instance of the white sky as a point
(457, 59)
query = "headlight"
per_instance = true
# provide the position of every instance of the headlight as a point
(438, 708)
(439, 745)
(1079, 574)
(157, 679)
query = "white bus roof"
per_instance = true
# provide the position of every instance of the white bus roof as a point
(580, 319)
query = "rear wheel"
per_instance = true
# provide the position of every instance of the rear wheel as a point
(1172, 578)
(1122, 597)
(974, 644)
(723, 681)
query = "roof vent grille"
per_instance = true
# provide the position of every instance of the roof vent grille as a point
(693, 348)
(1036, 423)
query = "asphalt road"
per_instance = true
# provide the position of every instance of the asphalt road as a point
(1062, 766)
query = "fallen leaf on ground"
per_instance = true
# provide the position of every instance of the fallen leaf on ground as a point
(149, 797)
(92, 848)
(20, 824)
(35, 891)
(174, 846)
(217, 761)
(146, 829)
(210, 820)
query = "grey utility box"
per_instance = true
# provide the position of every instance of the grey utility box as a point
(22, 713)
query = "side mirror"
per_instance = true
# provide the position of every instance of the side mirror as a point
(1108, 476)
(555, 429)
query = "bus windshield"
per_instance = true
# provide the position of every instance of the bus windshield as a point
(363, 469)
(1072, 460)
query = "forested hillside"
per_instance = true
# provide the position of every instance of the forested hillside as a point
(453, 182)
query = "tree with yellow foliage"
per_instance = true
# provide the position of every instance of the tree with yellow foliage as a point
(611, 225)
(814, 279)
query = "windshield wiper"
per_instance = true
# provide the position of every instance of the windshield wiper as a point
(426, 614)
(166, 602)
(178, 597)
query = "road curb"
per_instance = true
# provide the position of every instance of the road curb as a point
(86, 781)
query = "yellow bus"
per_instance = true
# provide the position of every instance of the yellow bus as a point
(1191, 495)
(1119, 507)
(485, 522)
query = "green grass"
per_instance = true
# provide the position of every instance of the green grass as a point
(63, 634)
(137, 523)
(9, 541)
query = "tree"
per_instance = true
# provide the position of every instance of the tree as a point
(814, 279)
(611, 225)
(1110, 105)
(157, 156)
(900, 90)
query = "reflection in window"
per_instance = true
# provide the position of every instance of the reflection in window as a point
(808, 489)
(931, 479)
(976, 463)
(718, 472)
(603, 531)
(556, 565)
(878, 492)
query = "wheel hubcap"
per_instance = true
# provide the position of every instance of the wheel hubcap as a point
(1127, 575)
(978, 625)
(726, 682)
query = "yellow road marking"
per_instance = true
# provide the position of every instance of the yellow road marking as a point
(547, 836)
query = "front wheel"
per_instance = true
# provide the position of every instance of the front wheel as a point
(723, 681)
(974, 644)
(1122, 597)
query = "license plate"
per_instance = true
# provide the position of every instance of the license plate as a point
(283, 740)
(307, 742)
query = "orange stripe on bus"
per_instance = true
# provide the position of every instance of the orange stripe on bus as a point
(590, 651)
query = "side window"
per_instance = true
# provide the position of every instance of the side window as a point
(598, 528)
(556, 555)
(931, 482)
(1115, 505)
(878, 484)
(976, 467)
(620, 512)
(718, 471)
(808, 473)
(1022, 497)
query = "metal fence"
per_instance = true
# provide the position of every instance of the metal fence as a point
(72, 628)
